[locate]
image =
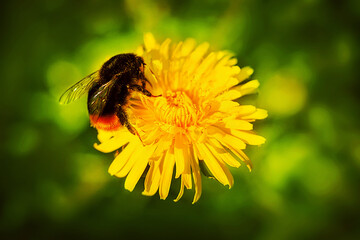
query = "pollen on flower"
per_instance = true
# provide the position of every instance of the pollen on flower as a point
(176, 109)
(194, 119)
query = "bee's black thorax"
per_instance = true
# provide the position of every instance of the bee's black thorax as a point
(125, 70)
(121, 64)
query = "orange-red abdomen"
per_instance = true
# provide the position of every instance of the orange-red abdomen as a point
(108, 122)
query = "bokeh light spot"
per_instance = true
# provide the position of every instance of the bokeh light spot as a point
(60, 76)
(91, 172)
(321, 176)
(322, 125)
(343, 49)
(24, 139)
(72, 118)
(91, 169)
(283, 95)
(284, 159)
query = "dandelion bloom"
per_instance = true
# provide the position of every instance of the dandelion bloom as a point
(195, 120)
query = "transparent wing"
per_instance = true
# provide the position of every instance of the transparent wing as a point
(79, 88)
(98, 101)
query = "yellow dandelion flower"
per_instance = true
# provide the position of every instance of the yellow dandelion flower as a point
(194, 121)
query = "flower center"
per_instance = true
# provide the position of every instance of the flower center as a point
(176, 109)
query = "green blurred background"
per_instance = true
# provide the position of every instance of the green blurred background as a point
(305, 182)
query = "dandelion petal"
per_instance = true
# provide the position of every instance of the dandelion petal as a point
(139, 167)
(166, 176)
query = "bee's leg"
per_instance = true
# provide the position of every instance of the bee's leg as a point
(144, 80)
(148, 82)
(125, 121)
(131, 129)
(141, 89)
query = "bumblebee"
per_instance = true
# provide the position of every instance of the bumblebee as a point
(109, 90)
